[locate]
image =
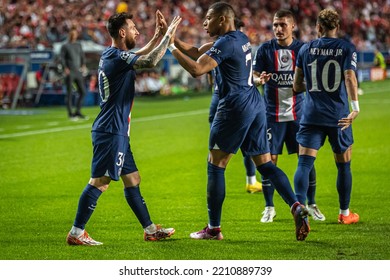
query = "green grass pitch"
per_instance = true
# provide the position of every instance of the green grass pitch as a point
(45, 164)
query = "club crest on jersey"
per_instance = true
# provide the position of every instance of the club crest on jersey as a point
(124, 55)
(284, 58)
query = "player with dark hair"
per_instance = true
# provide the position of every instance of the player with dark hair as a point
(273, 67)
(252, 185)
(326, 70)
(112, 155)
(240, 120)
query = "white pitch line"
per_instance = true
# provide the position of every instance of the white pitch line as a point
(84, 126)
(23, 127)
(53, 123)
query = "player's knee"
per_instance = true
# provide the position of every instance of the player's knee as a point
(100, 183)
(262, 159)
(103, 188)
(131, 180)
(219, 158)
(136, 181)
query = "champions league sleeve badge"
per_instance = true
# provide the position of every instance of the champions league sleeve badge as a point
(127, 56)
(124, 55)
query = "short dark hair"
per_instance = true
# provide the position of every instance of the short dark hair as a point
(238, 23)
(116, 22)
(284, 13)
(223, 9)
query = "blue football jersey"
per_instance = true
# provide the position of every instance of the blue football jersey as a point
(323, 62)
(282, 103)
(238, 96)
(116, 78)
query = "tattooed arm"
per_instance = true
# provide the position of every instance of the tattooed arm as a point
(160, 21)
(151, 59)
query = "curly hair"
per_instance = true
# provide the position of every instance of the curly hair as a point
(328, 19)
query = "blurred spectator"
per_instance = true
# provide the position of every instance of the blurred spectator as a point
(93, 87)
(8, 85)
(153, 83)
(148, 83)
(140, 84)
(166, 88)
(122, 7)
(379, 61)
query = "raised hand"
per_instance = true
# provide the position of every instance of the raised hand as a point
(172, 27)
(151, 59)
(161, 22)
(157, 30)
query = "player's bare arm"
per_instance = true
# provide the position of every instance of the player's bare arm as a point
(190, 50)
(160, 21)
(203, 65)
(151, 59)
(352, 89)
(299, 82)
(261, 78)
(351, 84)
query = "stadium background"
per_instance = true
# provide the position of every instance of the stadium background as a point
(31, 34)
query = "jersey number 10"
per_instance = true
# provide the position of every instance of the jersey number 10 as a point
(326, 72)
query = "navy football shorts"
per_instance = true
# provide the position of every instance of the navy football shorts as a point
(112, 156)
(249, 133)
(213, 106)
(280, 133)
(313, 136)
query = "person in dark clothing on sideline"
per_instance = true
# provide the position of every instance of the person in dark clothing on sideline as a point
(73, 62)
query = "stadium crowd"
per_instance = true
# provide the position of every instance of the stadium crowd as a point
(42, 24)
(37, 24)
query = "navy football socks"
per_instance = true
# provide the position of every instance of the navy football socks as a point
(215, 193)
(311, 192)
(279, 180)
(268, 191)
(301, 177)
(249, 166)
(87, 204)
(138, 205)
(344, 183)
